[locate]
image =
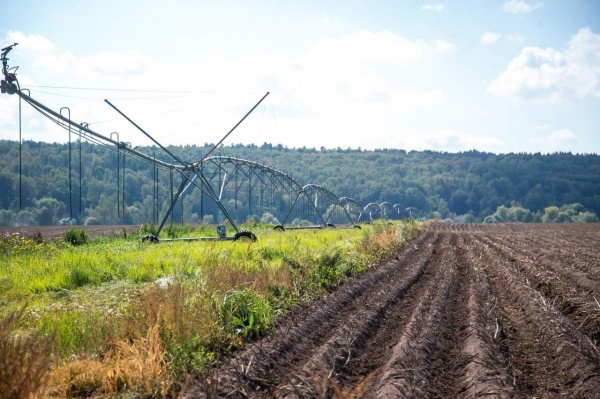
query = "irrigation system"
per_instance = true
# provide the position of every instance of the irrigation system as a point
(231, 184)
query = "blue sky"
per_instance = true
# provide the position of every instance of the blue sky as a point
(499, 76)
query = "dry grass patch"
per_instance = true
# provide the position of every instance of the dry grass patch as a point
(138, 367)
(24, 359)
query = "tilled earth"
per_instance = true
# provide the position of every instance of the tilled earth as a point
(463, 311)
(53, 232)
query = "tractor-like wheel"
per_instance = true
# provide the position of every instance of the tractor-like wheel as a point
(246, 235)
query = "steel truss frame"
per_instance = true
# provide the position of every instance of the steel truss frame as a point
(323, 203)
(213, 176)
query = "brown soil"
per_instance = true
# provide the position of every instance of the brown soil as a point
(463, 311)
(53, 232)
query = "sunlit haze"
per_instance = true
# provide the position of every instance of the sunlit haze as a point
(498, 76)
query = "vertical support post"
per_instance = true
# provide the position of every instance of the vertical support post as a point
(171, 180)
(81, 133)
(118, 174)
(201, 203)
(21, 156)
(183, 180)
(154, 200)
(235, 191)
(80, 173)
(70, 178)
(157, 198)
(249, 194)
(123, 197)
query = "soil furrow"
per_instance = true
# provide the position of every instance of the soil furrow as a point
(561, 362)
(407, 372)
(298, 339)
(547, 257)
(550, 267)
(485, 370)
(572, 296)
(464, 311)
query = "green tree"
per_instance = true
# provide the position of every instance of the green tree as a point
(550, 214)
(7, 217)
(45, 211)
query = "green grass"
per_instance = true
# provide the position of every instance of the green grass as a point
(204, 297)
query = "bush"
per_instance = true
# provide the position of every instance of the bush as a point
(178, 230)
(76, 237)
(147, 228)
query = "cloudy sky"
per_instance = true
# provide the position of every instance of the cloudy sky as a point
(499, 76)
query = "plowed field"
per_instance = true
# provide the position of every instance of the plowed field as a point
(463, 311)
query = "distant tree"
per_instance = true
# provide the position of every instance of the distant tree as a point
(586, 217)
(268, 218)
(550, 214)
(45, 211)
(7, 192)
(519, 214)
(7, 217)
(25, 218)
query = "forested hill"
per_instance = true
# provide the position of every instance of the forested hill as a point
(469, 186)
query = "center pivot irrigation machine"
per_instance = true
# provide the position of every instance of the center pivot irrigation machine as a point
(230, 183)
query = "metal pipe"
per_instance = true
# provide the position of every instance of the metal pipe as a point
(80, 170)
(70, 179)
(118, 174)
(172, 203)
(21, 158)
(37, 104)
(232, 129)
(143, 131)
(154, 200)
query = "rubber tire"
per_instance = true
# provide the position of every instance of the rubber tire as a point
(244, 234)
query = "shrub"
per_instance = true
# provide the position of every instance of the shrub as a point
(76, 237)
(244, 313)
(147, 228)
(178, 230)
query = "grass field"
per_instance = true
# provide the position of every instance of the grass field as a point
(115, 315)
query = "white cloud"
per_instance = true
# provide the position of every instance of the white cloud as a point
(545, 126)
(551, 76)
(515, 37)
(520, 7)
(336, 91)
(490, 37)
(433, 7)
(326, 19)
(46, 55)
(558, 140)
(32, 44)
(562, 136)
(361, 48)
(442, 46)
(7, 111)
(450, 140)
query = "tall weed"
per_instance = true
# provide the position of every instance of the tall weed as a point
(24, 359)
(138, 367)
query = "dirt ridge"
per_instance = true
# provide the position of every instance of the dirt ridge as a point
(465, 311)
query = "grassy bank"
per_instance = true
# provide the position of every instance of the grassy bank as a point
(115, 316)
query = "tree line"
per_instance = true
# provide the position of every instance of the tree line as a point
(471, 186)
